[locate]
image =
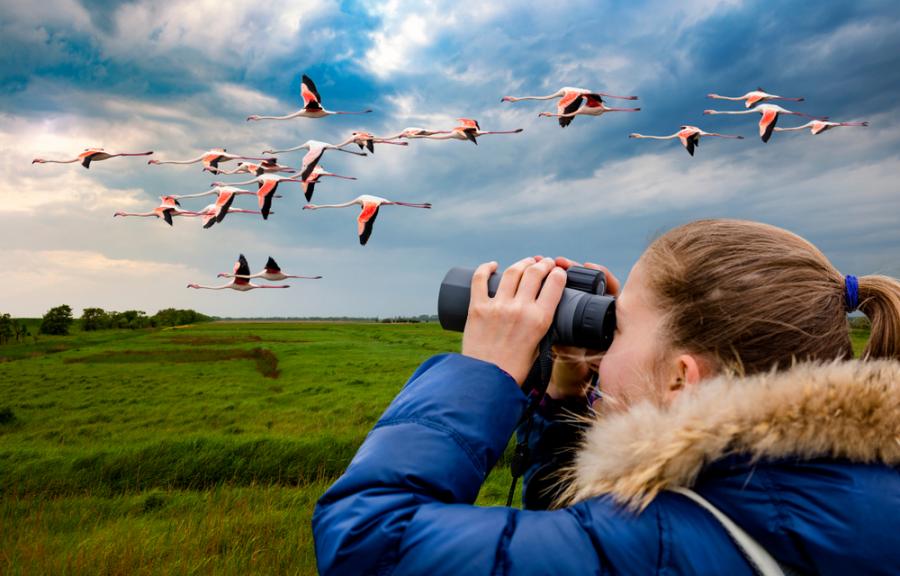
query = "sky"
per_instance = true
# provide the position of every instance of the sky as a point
(180, 77)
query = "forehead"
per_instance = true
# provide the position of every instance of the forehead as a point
(635, 298)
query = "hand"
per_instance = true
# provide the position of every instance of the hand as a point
(506, 329)
(572, 367)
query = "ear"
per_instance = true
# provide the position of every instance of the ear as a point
(688, 371)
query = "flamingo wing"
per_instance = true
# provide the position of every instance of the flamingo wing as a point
(311, 98)
(310, 161)
(212, 161)
(469, 123)
(212, 216)
(767, 124)
(593, 100)
(366, 220)
(265, 201)
(223, 204)
(241, 268)
(569, 103)
(167, 216)
(86, 158)
(470, 134)
(754, 99)
(271, 266)
(819, 127)
(308, 187)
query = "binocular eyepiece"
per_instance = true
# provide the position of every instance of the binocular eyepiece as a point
(585, 316)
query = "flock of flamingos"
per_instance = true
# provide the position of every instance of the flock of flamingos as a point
(267, 173)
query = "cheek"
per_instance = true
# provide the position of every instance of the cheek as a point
(612, 368)
(624, 370)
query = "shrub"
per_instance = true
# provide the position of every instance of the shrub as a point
(94, 319)
(57, 320)
(6, 328)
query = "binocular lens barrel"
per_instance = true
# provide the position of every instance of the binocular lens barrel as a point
(583, 318)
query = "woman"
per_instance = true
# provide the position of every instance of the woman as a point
(701, 389)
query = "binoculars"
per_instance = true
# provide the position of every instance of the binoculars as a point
(585, 316)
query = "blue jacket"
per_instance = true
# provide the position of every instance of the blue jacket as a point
(404, 504)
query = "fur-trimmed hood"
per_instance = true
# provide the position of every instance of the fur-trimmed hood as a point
(848, 410)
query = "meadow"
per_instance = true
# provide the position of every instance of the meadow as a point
(198, 449)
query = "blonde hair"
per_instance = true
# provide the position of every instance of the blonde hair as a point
(749, 297)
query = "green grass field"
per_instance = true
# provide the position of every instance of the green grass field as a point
(192, 450)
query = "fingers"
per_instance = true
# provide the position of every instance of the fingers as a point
(551, 292)
(533, 278)
(612, 283)
(509, 283)
(565, 263)
(479, 289)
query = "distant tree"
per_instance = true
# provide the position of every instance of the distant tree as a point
(175, 317)
(132, 319)
(94, 319)
(6, 328)
(20, 329)
(57, 320)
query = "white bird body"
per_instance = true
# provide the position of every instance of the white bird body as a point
(316, 149)
(769, 118)
(416, 132)
(688, 135)
(571, 100)
(211, 159)
(370, 205)
(312, 105)
(239, 280)
(271, 272)
(818, 126)
(470, 130)
(90, 155)
(754, 97)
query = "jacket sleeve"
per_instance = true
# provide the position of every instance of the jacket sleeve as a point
(423, 465)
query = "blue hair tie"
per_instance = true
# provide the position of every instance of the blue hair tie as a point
(851, 292)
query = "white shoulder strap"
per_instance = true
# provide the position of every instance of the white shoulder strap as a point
(756, 554)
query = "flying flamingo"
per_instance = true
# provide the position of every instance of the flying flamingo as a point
(214, 213)
(211, 159)
(470, 130)
(224, 197)
(267, 165)
(370, 206)
(819, 126)
(239, 282)
(414, 132)
(593, 106)
(769, 118)
(168, 207)
(754, 97)
(572, 99)
(312, 105)
(271, 272)
(367, 140)
(89, 155)
(309, 184)
(316, 150)
(267, 185)
(689, 136)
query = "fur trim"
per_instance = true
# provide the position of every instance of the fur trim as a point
(843, 409)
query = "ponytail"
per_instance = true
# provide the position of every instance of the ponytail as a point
(879, 300)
